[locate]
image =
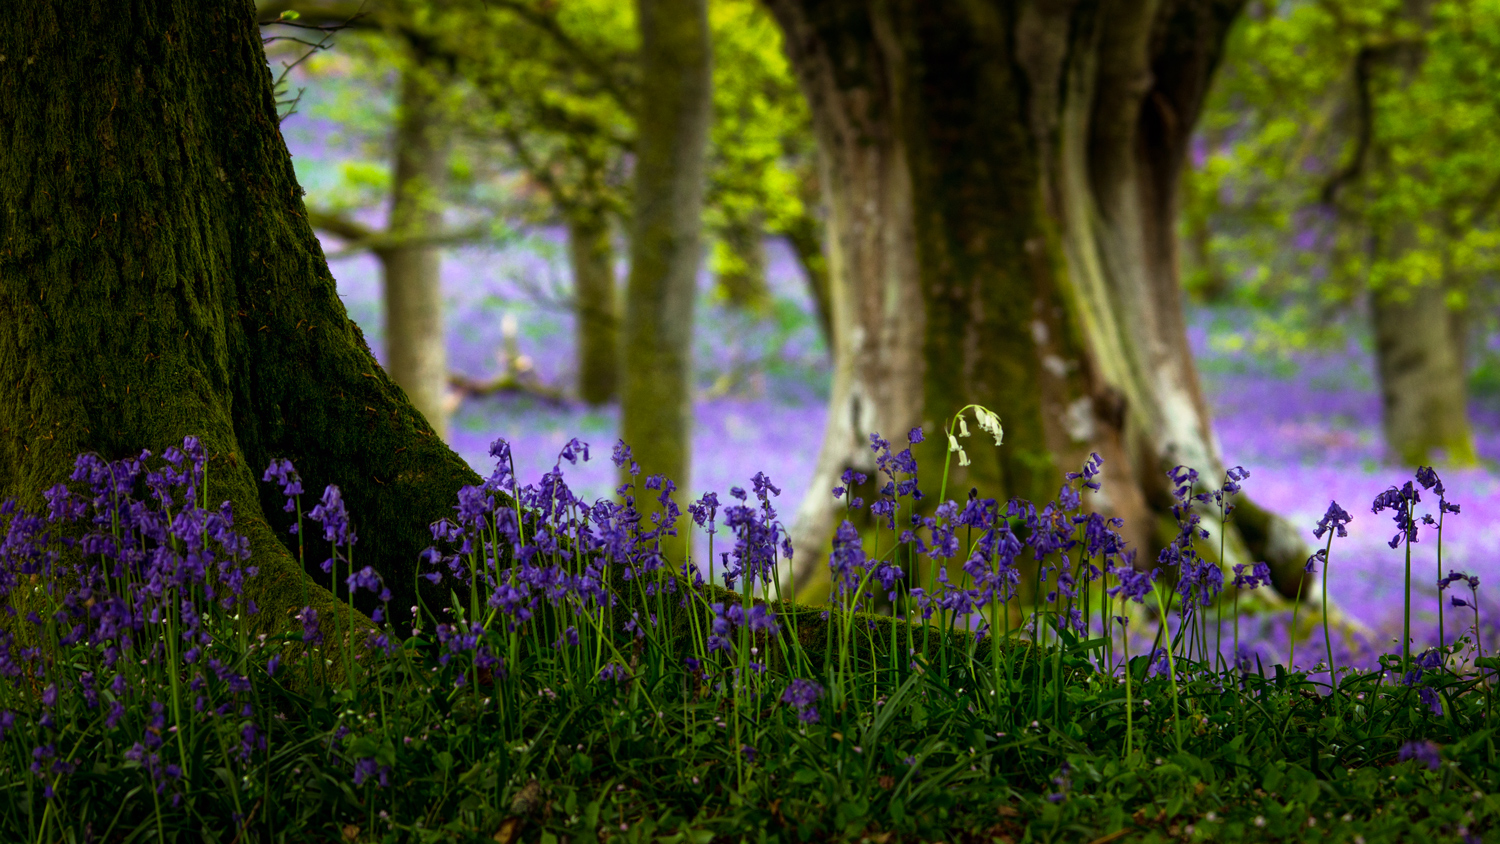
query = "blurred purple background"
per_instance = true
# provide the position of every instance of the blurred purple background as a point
(1305, 424)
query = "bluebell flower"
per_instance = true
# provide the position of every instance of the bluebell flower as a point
(365, 769)
(1132, 584)
(330, 511)
(1423, 752)
(1320, 556)
(312, 633)
(1091, 470)
(1334, 519)
(1401, 501)
(803, 695)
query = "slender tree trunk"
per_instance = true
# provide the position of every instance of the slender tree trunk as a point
(806, 235)
(1424, 397)
(741, 264)
(416, 351)
(158, 278)
(1419, 356)
(596, 305)
(665, 251)
(1002, 180)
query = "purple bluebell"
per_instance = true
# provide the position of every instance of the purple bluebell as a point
(1401, 501)
(803, 695)
(335, 519)
(1423, 753)
(1334, 519)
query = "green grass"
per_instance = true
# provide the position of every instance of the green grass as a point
(923, 731)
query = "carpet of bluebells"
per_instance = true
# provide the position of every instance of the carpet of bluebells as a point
(587, 684)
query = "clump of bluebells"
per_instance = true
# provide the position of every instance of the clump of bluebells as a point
(126, 617)
(974, 655)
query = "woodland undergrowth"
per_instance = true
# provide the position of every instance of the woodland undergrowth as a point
(970, 679)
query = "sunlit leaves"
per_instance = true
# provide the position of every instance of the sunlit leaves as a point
(1296, 194)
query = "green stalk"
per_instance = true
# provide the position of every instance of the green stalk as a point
(1333, 680)
(1442, 639)
(1406, 608)
(1171, 671)
(1129, 705)
(1291, 658)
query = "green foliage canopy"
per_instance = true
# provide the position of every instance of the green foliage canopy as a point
(1335, 122)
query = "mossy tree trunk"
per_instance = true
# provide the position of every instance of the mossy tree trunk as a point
(596, 304)
(740, 263)
(665, 250)
(1002, 184)
(415, 339)
(1423, 392)
(159, 278)
(1419, 356)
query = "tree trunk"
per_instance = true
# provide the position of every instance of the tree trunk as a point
(671, 143)
(416, 350)
(1424, 397)
(596, 305)
(1002, 183)
(806, 234)
(1419, 356)
(158, 278)
(740, 262)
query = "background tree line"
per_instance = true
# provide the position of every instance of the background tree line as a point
(986, 198)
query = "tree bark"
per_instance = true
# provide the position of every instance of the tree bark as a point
(1419, 356)
(596, 305)
(806, 234)
(1002, 183)
(158, 278)
(665, 252)
(741, 264)
(1423, 394)
(415, 338)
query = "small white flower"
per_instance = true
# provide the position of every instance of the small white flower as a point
(1261, 821)
(963, 459)
(963, 427)
(953, 444)
(990, 423)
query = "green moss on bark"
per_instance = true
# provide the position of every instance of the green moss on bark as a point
(665, 253)
(158, 278)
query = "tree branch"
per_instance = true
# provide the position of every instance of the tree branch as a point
(359, 238)
(1364, 65)
(547, 23)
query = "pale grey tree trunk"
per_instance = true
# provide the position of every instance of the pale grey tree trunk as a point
(1002, 193)
(416, 354)
(665, 251)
